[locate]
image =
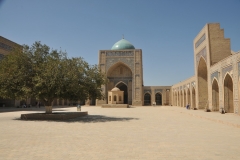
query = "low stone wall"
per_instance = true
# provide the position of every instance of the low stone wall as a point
(53, 116)
(115, 106)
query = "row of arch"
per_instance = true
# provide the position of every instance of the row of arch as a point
(148, 99)
(185, 97)
(228, 95)
(203, 95)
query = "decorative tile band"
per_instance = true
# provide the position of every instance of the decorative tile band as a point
(120, 53)
(200, 40)
(6, 47)
(214, 75)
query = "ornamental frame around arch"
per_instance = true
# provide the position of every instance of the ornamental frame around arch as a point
(147, 93)
(150, 97)
(161, 96)
(120, 82)
(159, 93)
(201, 57)
(227, 73)
(216, 80)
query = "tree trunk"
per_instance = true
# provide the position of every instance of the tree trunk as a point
(48, 106)
(48, 109)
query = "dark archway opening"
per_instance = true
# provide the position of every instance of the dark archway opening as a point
(147, 99)
(188, 98)
(215, 96)
(202, 85)
(178, 100)
(124, 88)
(193, 99)
(185, 99)
(228, 94)
(158, 98)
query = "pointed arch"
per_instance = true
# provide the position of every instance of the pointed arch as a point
(147, 99)
(193, 105)
(117, 84)
(123, 87)
(175, 98)
(158, 98)
(202, 75)
(188, 97)
(178, 99)
(215, 95)
(120, 66)
(120, 75)
(181, 98)
(228, 94)
(185, 98)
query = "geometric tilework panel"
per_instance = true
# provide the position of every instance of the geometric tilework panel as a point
(202, 53)
(193, 84)
(225, 70)
(214, 75)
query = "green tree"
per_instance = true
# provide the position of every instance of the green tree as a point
(47, 74)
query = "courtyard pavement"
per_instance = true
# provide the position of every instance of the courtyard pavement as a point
(152, 133)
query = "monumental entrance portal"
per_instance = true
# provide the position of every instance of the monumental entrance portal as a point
(123, 67)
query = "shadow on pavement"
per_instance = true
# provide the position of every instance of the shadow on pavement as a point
(2, 110)
(99, 118)
(89, 119)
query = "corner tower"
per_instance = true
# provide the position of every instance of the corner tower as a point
(123, 68)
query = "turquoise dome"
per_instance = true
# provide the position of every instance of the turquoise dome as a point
(122, 44)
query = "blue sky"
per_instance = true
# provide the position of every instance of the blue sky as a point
(163, 29)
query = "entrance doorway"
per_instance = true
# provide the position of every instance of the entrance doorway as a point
(147, 99)
(228, 94)
(202, 84)
(123, 87)
(215, 96)
(158, 98)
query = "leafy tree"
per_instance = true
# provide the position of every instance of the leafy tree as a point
(46, 74)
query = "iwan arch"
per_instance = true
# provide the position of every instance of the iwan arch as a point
(215, 84)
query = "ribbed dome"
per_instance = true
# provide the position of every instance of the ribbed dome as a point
(115, 89)
(122, 44)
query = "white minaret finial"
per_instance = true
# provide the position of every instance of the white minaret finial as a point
(123, 36)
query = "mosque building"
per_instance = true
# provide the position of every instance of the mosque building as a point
(124, 69)
(213, 87)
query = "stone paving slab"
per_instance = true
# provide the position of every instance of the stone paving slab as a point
(122, 133)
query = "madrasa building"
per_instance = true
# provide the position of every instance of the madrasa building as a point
(215, 85)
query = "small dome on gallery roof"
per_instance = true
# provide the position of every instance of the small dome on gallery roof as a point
(122, 44)
(115, 89)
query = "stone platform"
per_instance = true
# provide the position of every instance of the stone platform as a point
(115, 106)
(53, 116)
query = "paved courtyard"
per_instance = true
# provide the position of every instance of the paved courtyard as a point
(125, 133)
